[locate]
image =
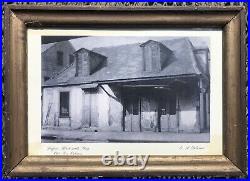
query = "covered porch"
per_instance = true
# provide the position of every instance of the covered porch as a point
(164, 105)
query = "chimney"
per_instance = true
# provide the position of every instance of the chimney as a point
(88, 62)
(155, 56)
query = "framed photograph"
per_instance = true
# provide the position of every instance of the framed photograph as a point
(118, 91)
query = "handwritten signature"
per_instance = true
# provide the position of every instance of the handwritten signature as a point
(67, 150)
(191, 147)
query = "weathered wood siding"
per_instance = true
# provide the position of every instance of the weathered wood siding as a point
(156, 56)
(132, 114)
(149, 114)
(169, 123)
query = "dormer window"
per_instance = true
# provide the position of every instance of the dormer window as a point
(155, 56)
(88, 62)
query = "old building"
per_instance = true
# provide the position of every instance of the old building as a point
(55, 58)
(159, 86)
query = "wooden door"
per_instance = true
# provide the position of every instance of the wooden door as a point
(167, 113)
(149, 114)
(132, 115)
(90, 115)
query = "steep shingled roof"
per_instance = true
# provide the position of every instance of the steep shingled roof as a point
(125, 62)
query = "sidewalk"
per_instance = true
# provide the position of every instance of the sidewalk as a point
(77, 136)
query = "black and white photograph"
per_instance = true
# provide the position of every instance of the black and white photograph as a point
(125, 89)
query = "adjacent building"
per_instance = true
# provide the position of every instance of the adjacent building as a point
(55, 58)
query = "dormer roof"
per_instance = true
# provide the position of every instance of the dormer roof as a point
(148, 42)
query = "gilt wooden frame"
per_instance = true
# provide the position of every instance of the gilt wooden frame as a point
(20, 17)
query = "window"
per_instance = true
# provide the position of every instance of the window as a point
(71, 59)
(64, 104)
(59, 58)
(45, 78)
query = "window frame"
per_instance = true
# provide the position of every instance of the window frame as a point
(61, 115)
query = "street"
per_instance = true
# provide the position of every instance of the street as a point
(79, 136)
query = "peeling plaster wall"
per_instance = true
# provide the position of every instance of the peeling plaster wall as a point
(51, 100)
(108, 107)
(189, 117)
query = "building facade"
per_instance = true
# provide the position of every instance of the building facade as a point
(154, 86)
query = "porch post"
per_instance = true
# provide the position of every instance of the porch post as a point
(123, 114)
(178, 112)
(208, 109)
(202, 105)
(140, 112)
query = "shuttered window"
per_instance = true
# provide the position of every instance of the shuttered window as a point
(64, 104)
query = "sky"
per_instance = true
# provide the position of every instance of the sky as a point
(92, 42)
(104, 41)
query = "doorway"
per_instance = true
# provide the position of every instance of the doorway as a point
(132, 114)
(150, 111)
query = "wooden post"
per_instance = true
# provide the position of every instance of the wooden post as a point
(208, 109)
(140, 111)
(69, 121)
(202, 106)
(178, 112)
